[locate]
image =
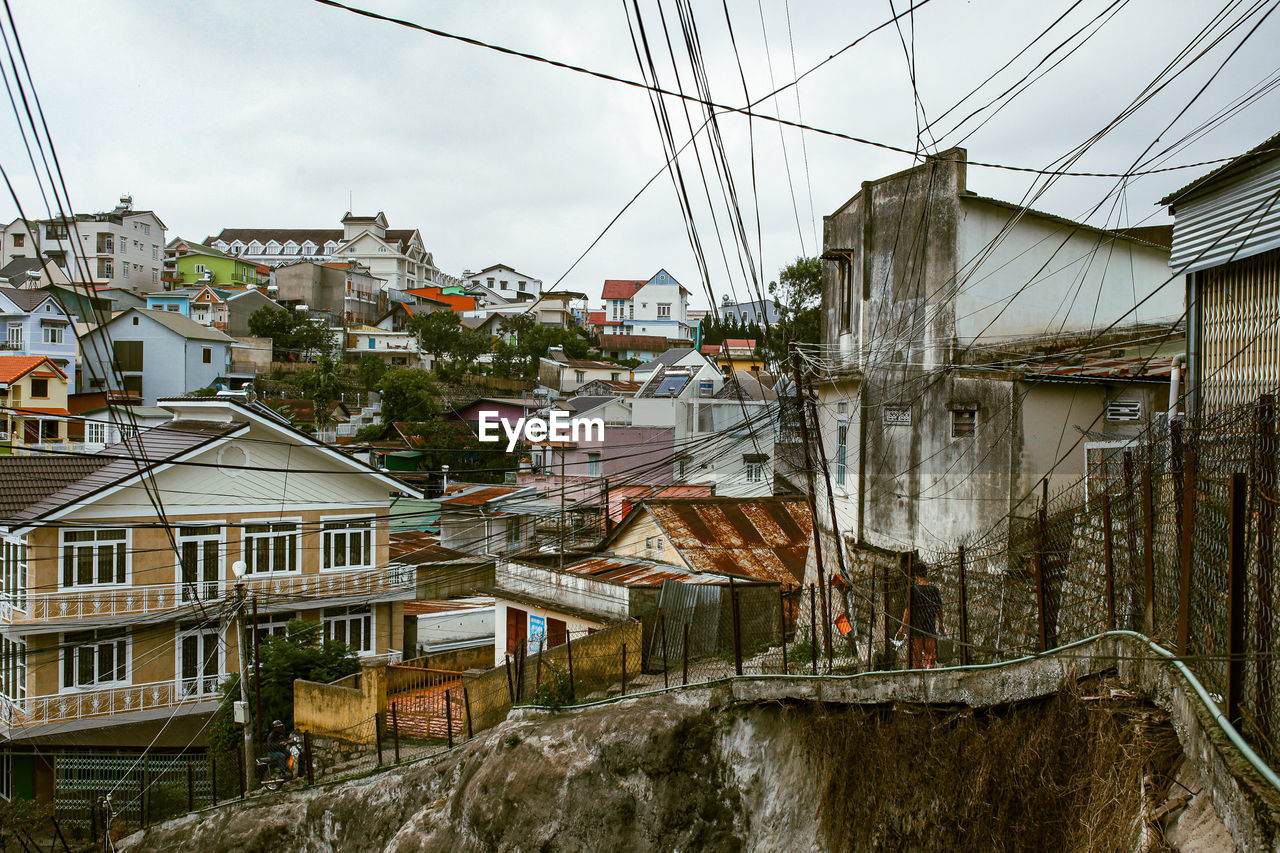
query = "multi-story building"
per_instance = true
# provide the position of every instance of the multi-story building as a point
(758, 312)
(119, 616)
(187, 263)
(1226, 242)
(122, 248)
(394, 255)
(654, 306)
(153, 354)
(225, 309)
(33, 393)
(942, 407)
(37, 323)
(507, 282)
(347, 292)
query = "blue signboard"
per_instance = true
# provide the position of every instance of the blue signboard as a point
(537, 633)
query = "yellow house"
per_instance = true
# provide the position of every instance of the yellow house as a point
(34, 394)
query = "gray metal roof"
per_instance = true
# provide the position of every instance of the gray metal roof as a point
(185, 326)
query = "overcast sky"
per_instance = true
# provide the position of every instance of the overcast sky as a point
(273, 113)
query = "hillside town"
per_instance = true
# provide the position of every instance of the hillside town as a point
(325, 514)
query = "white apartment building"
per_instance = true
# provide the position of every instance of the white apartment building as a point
(656, 306)
(396, 255)
(505, 282)
(123, 248)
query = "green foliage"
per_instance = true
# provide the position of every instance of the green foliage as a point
(524, 340)
(553, 692)
(299, 653)
(408, 395)
(369, 371)
(21, 816)
(322, 385)
(442, 334)
(294, 335)
(798, 293)
(370, 432)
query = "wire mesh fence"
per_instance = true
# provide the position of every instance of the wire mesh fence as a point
(1170, 534)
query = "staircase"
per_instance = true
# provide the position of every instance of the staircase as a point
(424, 701)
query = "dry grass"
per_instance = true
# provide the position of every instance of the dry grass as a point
(1074, 772)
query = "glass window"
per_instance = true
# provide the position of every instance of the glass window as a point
(593, 464)
(19, 240)
(13, 573)
(92, 658)
(15, 336)
(346, 544)
(350, 625)
(964, 422)
(95, 432)
(664, 309)
(206, 355)
(53, 334)
(94, 557)
(842, 438)
(198, 658)
(13, 669)
(274, 625)
(39, 387)
(271, 547)
(199, 564)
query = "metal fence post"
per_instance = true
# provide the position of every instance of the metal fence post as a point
(624, 669)
(511, 689)
(306, 756)
(684, 664)
(568, 652)
(737, 628)
(871, 618)
(191, 787)
(537, 678)
(813, 627)
(448, 718)
(1148, 551)
(1042, 516)
(662, 628)
(395, 731)
(1131, 540)
(1266, 559)
(377, 735)
(1187, 544)
(964, 609)
(466, 707)
(1235, 597)
(213, 771)
(1108, 561)
(782, 620)
(911, 596)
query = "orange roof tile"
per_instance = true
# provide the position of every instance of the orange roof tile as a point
(14, 367)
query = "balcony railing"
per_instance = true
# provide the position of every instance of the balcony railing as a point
(106, 702)
(108, 602)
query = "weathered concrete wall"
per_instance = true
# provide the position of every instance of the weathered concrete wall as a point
(333, 710)
(477, 657)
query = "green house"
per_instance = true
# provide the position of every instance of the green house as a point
(189, 263)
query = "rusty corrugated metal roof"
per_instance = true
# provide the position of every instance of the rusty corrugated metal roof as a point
(479, 496)
(764, 538)
(1130, 367)
(630, 571)
(417, 548)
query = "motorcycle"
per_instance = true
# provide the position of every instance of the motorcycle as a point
(269, 768)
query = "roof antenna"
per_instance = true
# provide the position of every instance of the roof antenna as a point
(350, 202)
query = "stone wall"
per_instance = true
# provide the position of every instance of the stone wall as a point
(340, 709)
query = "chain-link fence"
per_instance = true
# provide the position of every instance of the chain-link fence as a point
(1171, 534)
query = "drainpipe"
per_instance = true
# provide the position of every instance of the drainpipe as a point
(1175, 379)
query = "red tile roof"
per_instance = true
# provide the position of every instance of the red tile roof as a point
(453, 300)
(740, 343)
(621, 288)
(14, 367)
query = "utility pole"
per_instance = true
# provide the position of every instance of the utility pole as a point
(238, 569)
(813, 506)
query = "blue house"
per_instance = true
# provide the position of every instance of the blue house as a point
(36, 323)
(154, 354)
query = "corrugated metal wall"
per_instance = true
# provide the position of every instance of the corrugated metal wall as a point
(1239, 346)
(1239, 220)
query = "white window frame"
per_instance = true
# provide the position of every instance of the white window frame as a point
(106, 537)
(274, 624)
(15, 334)
(198, 533)
(842, 451)
(348, 615)
(248, 537)
(121, 644)
(341, 529)
(204, 683)
(13, 670)
(664, 310)
(15, 574)
(753, 472)
(54, 334)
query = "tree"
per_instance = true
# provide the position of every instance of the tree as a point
(408, 395)
(301, 652)
(295, 336)
(369, 371)
(442, 335)
(524, 340)
(322, 385)
(798, 293)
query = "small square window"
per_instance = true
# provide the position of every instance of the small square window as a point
(206, 355)
(964, 422)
